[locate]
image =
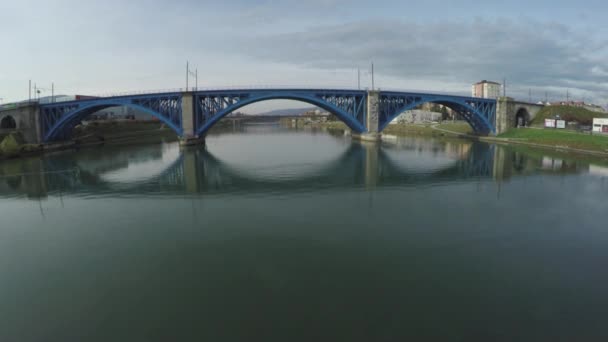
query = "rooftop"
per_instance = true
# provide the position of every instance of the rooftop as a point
(489, 82)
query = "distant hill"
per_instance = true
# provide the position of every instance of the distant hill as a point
(568, 113)
(286, 112)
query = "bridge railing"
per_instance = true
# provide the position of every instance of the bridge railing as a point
(229, 87)
(269, 87)
(266, 87)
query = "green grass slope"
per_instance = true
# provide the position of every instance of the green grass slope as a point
(568, 113)
(557, 138)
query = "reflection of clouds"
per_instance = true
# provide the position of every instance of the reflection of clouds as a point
(136, 171)
(587, 193)
(416, 161)
(425, 155)
(277, 156)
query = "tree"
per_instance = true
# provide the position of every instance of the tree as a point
(444, 113)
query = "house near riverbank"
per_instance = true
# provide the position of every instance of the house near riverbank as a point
(417, 116)
(600, 125)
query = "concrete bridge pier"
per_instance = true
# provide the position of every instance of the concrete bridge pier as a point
(511, 113)
(189, 137)
(372, 118)
(23, 118)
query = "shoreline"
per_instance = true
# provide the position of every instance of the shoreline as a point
(96, 136)
(429, 130)
(99, 135)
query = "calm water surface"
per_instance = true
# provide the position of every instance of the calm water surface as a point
(277, 235)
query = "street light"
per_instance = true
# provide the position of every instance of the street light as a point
(38, 90)
(190, 73)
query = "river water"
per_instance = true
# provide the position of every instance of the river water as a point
(270, 234)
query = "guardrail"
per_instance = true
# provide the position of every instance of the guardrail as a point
(245, 87)
(269, 87)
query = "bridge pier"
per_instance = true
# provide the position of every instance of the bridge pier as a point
(372, 123)
(504, 106)
(189, 137)
(508, 109)
(26, 117)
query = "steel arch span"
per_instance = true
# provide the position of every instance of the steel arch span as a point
(58, 119)
(480, 113)
(211, 106)
(192, 114)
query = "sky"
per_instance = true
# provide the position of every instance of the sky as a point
(546, 48)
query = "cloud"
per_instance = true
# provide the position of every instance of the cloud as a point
(529, 54)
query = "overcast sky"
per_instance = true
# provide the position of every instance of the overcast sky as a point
(96, 47)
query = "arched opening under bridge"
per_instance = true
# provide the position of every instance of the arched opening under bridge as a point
(304, 104)
(434, 111)
(264, 113)
(522, 118)
(109, 120)
(8, 122)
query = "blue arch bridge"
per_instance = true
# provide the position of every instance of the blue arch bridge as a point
(192, 113)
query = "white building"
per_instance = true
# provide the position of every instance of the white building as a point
(600, 125)
(486, 89)
(416, 116)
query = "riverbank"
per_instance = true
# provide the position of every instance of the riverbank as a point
(548, 139)
(559, 140)
(142, 132)
(570, 141)
(93, 134)
(439, 129)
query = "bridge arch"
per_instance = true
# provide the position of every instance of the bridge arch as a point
(522, 117)
(70, 119)
(350, 120)
(477, 113)
(8, 122)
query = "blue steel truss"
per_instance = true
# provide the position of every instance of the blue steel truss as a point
(58, 119)
(211, 106)
(479, 113)
(350, 106)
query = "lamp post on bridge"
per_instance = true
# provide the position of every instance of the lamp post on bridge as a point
(373, 84)
(39, 90)
(190, 73)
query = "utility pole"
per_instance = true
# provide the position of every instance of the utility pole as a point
(373, 84)
(35, 91)
(29, 97)
(190, 73)
(359, 78)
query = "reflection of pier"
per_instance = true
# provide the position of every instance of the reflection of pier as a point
(192, 171)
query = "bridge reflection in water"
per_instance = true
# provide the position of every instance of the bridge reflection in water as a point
(166, 170)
